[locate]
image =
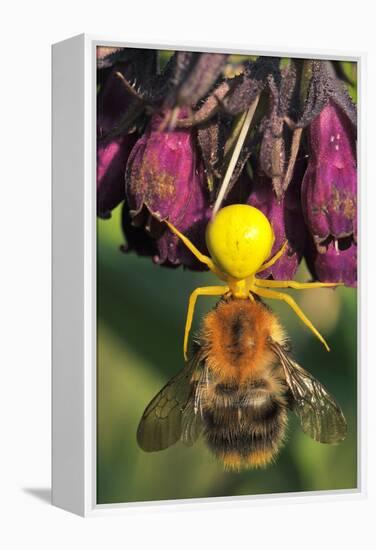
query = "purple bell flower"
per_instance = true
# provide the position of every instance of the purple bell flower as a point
(165, 181)
(288, 224)
(329, 196)
(111, 163)
(112, 151)
(329, 184)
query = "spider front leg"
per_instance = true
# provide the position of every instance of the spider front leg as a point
(201, 257)
(200, 291)
(274, 258)
(267, 283)
(266, 293)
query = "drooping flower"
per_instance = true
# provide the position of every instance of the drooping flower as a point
(329, 195)
(165, 181)
(112, 159)
(329, 184)
(288, 225)
(112, 150)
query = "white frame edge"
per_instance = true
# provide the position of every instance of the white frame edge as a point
(68, 141)
(74, 282)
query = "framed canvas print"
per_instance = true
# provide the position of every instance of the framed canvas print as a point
(206, 337)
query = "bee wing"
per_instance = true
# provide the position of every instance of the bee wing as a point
(320, 416)
(191, 426)
(171, 415)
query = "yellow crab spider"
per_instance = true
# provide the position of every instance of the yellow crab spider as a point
(240, 239)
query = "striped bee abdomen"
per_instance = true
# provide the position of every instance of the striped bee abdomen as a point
(247, 433)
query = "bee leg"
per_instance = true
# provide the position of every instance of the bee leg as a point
(266, 293)
(267, 283)
(201, 257)
(274, 258)
(200, 291)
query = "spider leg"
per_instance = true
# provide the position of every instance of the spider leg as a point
(274, 258)
(201, 257)
(200, 291)
(267, 283)
(266, 293)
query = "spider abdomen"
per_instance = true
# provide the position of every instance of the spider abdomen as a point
(240, 239)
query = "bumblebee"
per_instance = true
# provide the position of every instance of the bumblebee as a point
(237, 390)
(241, 380)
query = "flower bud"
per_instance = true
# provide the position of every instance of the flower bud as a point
(165, 178)
(273, 155)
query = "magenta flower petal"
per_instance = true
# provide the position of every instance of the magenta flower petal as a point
(334, 264)
(329, 193)
(111, 163)
(288, 225)
(160, 171)
(112, 152)
(329, 184)
(165, 176)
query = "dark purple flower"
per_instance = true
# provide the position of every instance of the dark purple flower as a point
(288, 224)
(337, 262)
(113, 101)
(112, 150)
(165, 181)
(329, 184)
(329, 197)
(137, 239)
(112, 159)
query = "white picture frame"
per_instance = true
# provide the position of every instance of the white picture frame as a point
(74, 279)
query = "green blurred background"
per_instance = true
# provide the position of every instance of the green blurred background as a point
(141, 316)
(141, 309)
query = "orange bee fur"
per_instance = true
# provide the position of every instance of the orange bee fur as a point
(243, 398)
(235, 335)
(256, 459)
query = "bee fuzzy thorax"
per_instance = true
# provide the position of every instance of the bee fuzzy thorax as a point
(235, 338)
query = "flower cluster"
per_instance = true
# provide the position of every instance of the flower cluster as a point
(166, 137)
